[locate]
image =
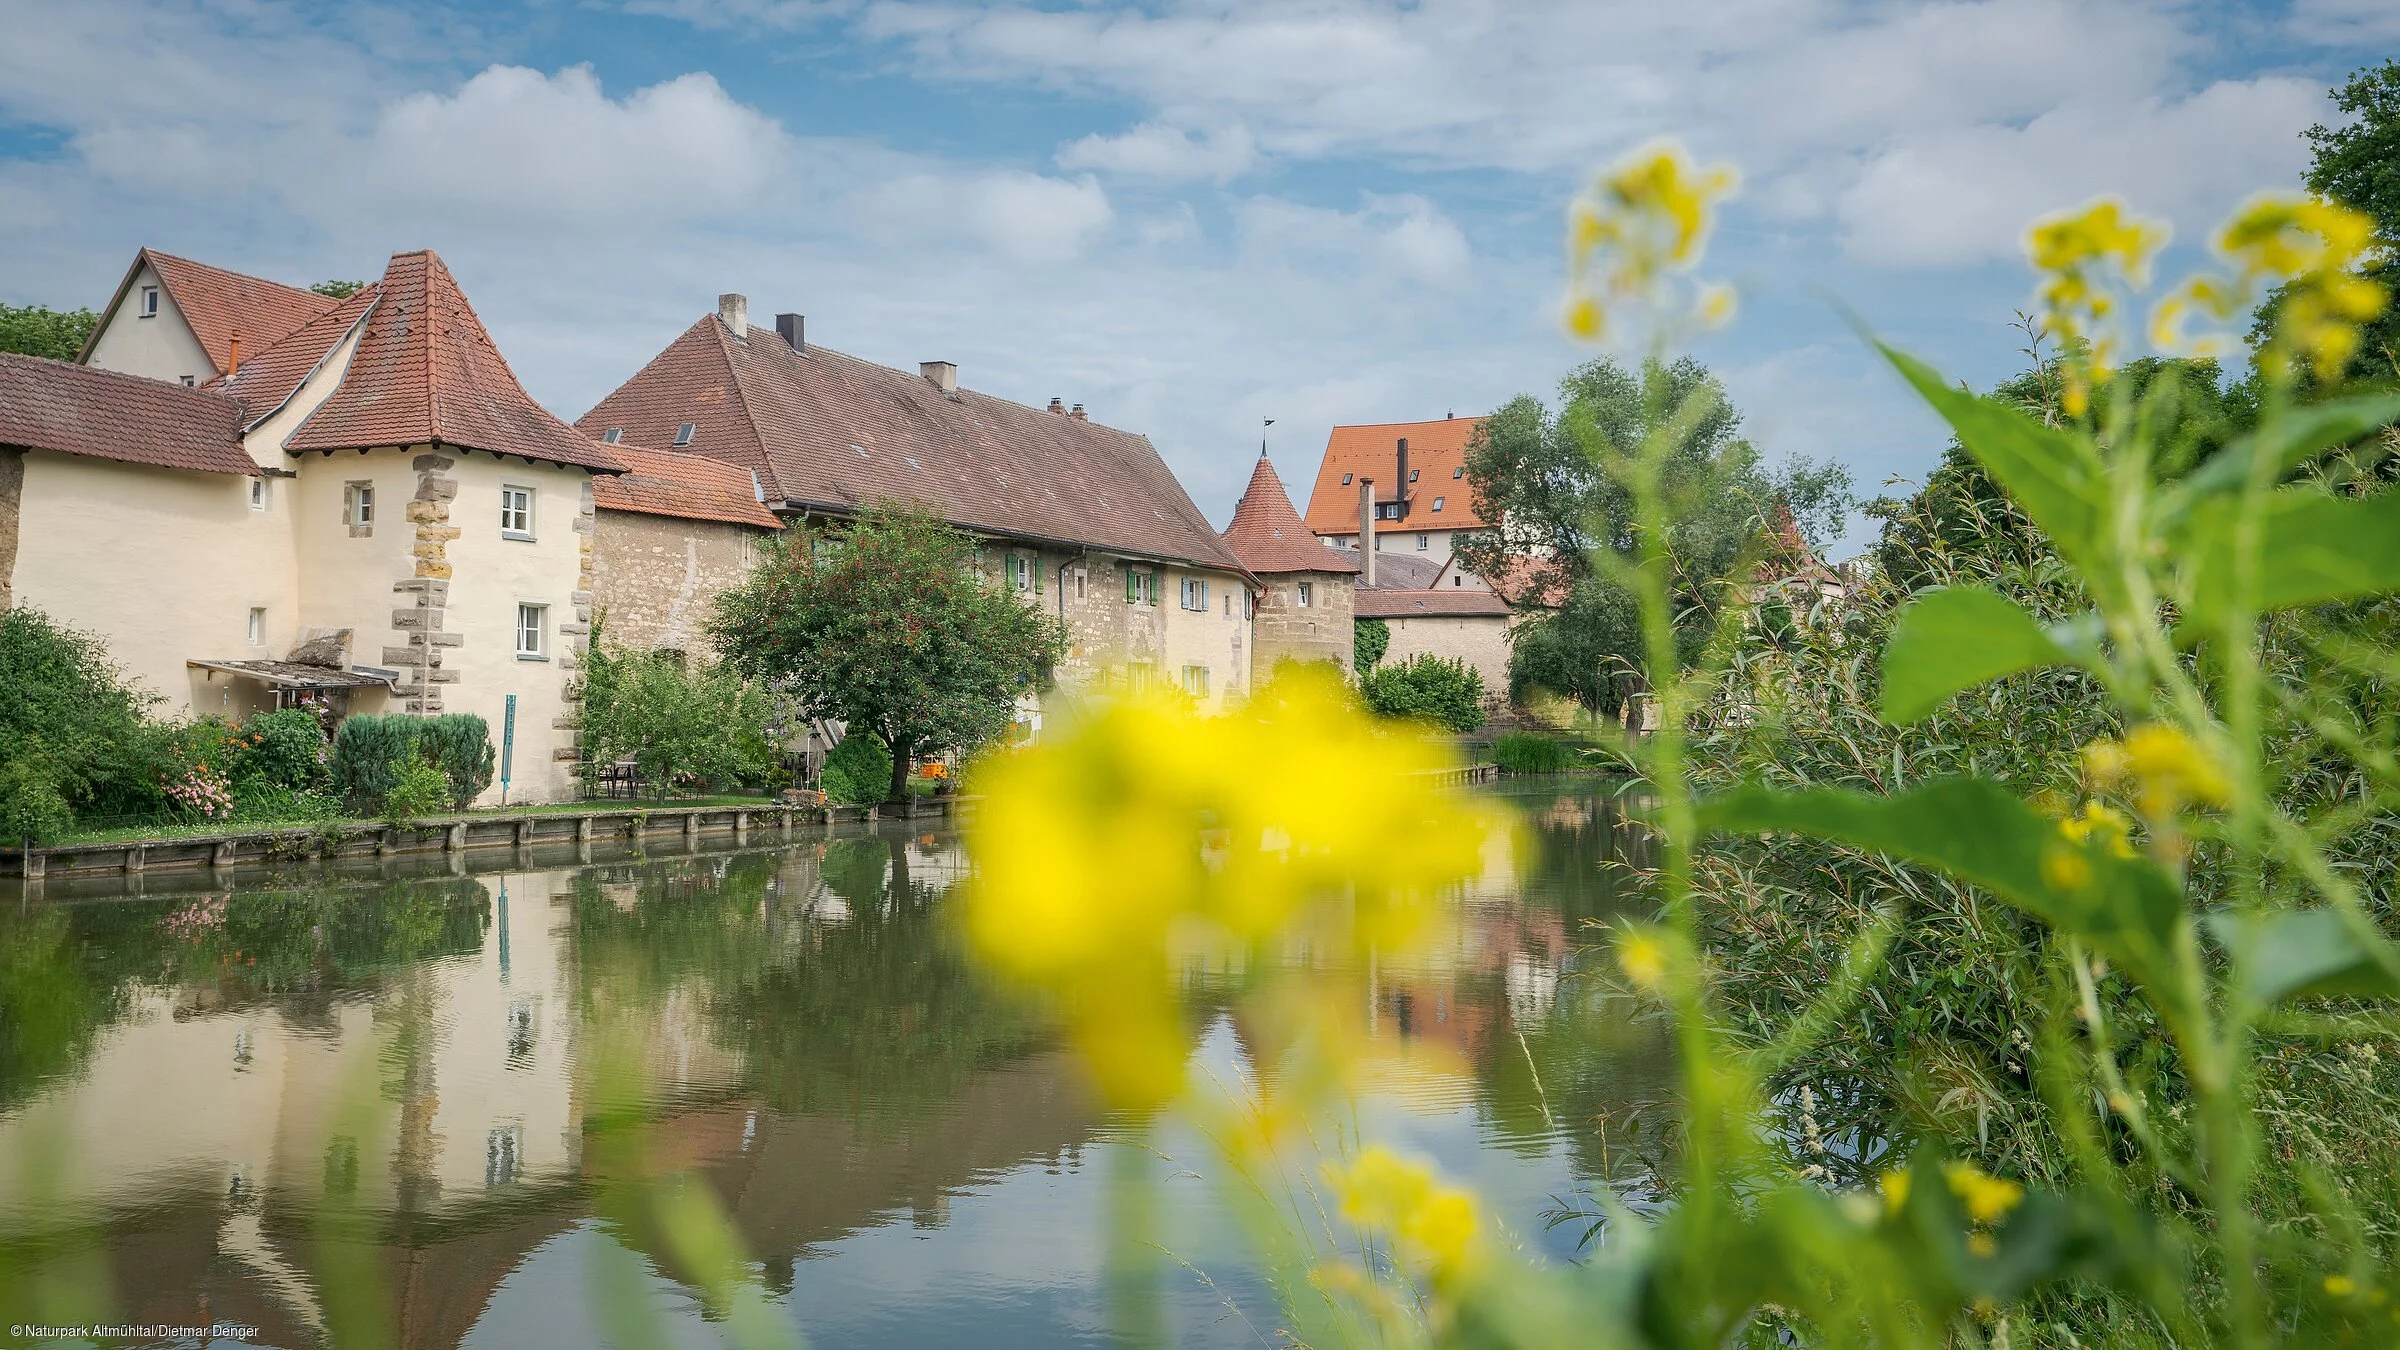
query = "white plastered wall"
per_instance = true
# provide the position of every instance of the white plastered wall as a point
(161, 347)
(1211, 638)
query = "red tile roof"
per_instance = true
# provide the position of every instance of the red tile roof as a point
(220, 305)
(830, 432)
(269, 378)
(80, 410)
(1436, 453)
(1269, 536)
(693, 487)
(427, 371)
(1389, 603)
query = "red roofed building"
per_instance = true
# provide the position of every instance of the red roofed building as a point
(1419, 504)
(674, 532)
(357, 504)
(1305, 588)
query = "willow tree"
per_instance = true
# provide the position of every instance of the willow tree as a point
(887, 628)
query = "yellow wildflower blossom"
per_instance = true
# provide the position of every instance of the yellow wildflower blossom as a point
(1642, 223)
(1435, 1224)
(1894, 1186)
(2172, 771)
(2310, 244)
(2101, 824)
(2340, 1286)
(1643, 958)
(2080, 254)
(2065, 869)
(1986, 1198)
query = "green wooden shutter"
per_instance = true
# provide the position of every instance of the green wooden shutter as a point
(1037, 574)
(1130, 584)
(1158, 583)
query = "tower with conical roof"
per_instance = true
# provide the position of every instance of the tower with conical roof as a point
(1305, 598)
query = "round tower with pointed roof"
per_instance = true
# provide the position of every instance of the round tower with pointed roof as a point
(1305, 603)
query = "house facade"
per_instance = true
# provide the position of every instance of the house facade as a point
(364, 508)
(673, 533)
(1305, 591)
(1084, 520)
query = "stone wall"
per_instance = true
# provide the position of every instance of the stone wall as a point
(1153, 635)
(1319, 632)
(1481, 640)
(12, 507)
(656, 578)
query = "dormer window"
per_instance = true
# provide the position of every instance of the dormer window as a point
(191, 381)
(149, 306)
(684, 433)
(612, 435)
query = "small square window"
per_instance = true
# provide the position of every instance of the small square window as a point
(1345, 480)
(516, 513)
(531, 621)
(1308, 594)
(1424, 541)
(1437, 502)
(358, 507)
(612, 435)
(1459, 472)
(149, 309)
(258, 494)
(191, 381)
(1412, 474)
(1195, 681)
(258, 626)
(684, 433)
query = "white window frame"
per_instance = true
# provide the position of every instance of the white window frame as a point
(520, 512)
(1195, 594)
(1020, 571)
(1306, 594)
(1195, 681)
(1437, 502)
(1424, 541)
(686, 433)
(258, 494)
(358, 505)
(148, 308)
(191, 381)
(258, 625)
(533, 622)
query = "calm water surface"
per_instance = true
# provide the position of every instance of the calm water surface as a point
(192, 1079)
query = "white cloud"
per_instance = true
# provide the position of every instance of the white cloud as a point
(1153, 150)
(1026, 217)
(2340, 23)
(1405, 237)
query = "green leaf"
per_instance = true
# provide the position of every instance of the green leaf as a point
(2301, 953)
(2054, 476)
(1956, 638)
(1978, 832)
(2291, 440)
(2312, 548)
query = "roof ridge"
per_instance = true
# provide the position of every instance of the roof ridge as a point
(246, 276)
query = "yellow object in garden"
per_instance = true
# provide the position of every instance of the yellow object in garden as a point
(1436, 1225)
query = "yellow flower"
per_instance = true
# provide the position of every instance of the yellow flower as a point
(2172, 771)
(1895, 1190)
(1643, 958)
(1642, 223)
(2079, 255)
(1435, 1224)
(2065, 869)
(1986, 1197)
(2340, 1286)
(2307, 244)
(2100, 824)
(1981, 1244)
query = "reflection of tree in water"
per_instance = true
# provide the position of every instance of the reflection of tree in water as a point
(68, 971)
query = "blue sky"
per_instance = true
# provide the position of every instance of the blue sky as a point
(1188, 215)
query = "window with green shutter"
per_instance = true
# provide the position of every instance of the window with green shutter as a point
(1132, 587)
(1158, 582)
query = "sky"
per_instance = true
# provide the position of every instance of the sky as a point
(1188, 215)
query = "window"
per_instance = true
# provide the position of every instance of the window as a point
(258, 494)
(1345, 480)
(358, 507)
(1020, 571)
(1195, 594)
(531, 620)
(1458, 581)
(149, 309)
(1459, 472)
(613, 435)
(1195, 681)
(1228, 604)
(1308, 594)
(1412, 474)
(1141, 587)
(684, 433)
(258, 626)
(516, 513)
(190, 381)
(1079, 583)
(1424, 541)
(1437, 502)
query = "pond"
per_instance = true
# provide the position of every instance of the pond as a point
(246, 1104)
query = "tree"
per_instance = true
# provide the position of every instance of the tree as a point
(337, 289)
(74, 731)
(680, 727)
(1544, 477)
(1427, 688)
(887, 628)
(37, 330)
(1369, 640)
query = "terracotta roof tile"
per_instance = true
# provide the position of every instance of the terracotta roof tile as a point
(1436, 453)
(1400, 570)
(81, 410)
(693, 487)
(832, 432)
(427, 371)
(1393, 603)
(219, 305)
(269, 378)
(1269, 536)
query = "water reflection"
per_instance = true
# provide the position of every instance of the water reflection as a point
(193, 1079)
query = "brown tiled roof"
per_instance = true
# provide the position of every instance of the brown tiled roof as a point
(270, 377)
(1399, 570)
(1391, 603)
(831, 432)
(1269, 536)
(219, 305)
(693, 487)
(1528, 583)
(80, 410)
(426, 371)
(1436, 452)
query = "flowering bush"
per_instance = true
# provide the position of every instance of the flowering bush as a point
(202, 790)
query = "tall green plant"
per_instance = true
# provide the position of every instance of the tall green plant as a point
(460, 746)
(367, 756)
(1442, 690)
(681, 726)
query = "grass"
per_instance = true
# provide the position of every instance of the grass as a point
(127, 834)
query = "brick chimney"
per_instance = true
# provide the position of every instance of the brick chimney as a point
(1366, 531)
(943, 375)
(792, 328)
(1078, 414)
(1058, 407)
(734, 312)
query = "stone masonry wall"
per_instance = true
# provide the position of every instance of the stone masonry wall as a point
(1105, 632)
(1321, 632)
(655, 578)
(12, 511)
(419, 621)
(1480, 640)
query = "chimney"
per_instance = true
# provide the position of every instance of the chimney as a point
(734, 312)
(1400, 493)
(792, 328)
(1366, 532)
(943, 375)
(1078, 414)
(1058, 407)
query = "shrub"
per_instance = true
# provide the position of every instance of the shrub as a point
(367, 757)
(460, 745)
(858, 771)
(69, 718)
(1369, 640)
(418, 788)
(1532, 752)
(693, 727)
(1428, 688)
(281, 749)
(30, 804)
